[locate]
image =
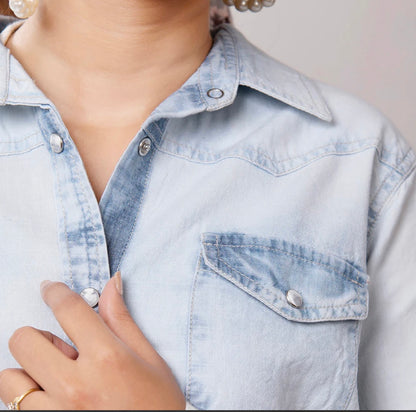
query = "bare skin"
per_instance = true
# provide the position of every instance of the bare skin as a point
(107, 64)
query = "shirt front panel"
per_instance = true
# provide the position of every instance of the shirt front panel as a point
(30, 250)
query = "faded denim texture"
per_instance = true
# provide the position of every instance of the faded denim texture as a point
(282, 183)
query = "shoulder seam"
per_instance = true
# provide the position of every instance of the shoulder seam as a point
(373, 220)
(395, 189)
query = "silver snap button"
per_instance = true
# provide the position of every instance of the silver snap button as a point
(294, 298)
(215, 93)
(144, 146)
(56, 142)
(91, 296)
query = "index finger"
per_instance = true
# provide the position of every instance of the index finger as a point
(81, 323)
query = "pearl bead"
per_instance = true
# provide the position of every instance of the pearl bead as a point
(241, 5)
(23, 8)
(255, 5)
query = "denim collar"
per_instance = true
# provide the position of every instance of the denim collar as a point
(232, 62)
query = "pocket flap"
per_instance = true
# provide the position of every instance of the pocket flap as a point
(326, 287)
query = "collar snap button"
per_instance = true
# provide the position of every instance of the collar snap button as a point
(215, 93)
(144, 146)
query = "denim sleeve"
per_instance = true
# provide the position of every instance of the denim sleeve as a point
(387, 357)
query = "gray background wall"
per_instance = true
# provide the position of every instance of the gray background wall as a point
(366, 47)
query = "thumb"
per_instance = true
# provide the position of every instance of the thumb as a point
(117, 317)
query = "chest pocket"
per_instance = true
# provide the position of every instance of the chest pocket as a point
(295, 281)
(271, 314)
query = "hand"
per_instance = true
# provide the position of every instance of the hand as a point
(115, 366)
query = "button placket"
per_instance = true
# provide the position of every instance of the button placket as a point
(81, 233)
(122, 202)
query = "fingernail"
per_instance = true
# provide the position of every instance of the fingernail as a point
(43, 285)
(119, 282)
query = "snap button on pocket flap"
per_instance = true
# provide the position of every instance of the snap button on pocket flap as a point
(296, 281)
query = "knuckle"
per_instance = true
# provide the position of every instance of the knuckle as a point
(109, 359)
(76, 395)
(106, 355)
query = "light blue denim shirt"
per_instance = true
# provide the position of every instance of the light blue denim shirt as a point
(264, 225)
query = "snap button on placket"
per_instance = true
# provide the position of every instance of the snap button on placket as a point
(294, 298)
(144, 146)
(91, 296)
(56, 142)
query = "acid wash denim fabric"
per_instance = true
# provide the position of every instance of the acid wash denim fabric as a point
(274, 183)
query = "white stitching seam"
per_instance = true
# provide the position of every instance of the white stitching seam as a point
(291, 254)
(277, 310)
(21, 140)
(23, 151)
(354, 380)
(145, 185)
(273, 292)
(188, 386)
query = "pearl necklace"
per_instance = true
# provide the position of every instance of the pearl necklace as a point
(253, 5)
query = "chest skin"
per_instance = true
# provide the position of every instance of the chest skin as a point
(100, 149)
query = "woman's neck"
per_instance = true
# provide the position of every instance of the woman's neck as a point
(122, 37)
(112, 51)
